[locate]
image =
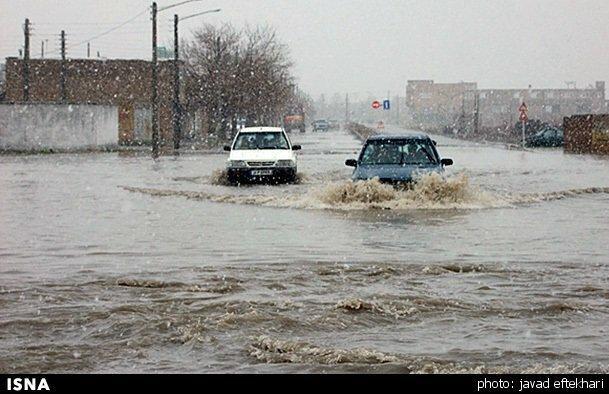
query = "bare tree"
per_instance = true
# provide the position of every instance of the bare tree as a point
(239, 74)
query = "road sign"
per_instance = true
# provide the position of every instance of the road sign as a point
(523, 108)
(523, 116)
(376, 104)
(523, 112)
(386, 105)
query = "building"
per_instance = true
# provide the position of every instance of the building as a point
(433, 105)
(463, 106)
(126, 84)
(499, 107)
(2, 79)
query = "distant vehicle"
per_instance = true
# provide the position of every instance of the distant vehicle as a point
(294, 122)
(261, 154)
(320, 125)
(548, 137)
(333, 124)
(397, 158)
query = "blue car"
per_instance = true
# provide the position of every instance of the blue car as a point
(397, 158)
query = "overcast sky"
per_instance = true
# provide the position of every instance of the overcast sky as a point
(358, 46)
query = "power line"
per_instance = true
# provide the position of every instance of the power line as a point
(107, 31)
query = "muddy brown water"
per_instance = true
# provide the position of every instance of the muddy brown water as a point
(112, 263)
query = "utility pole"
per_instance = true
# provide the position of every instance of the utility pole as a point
(177, 132)
(88, 50)
(155, 99)
(388, 113)
(397, 109)
(347, 108)
(26, 61)
(463, 123)
(476, 113)
(63, 67)
(42, 49)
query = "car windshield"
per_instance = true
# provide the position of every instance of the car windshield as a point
(412, 151)
(265, 140)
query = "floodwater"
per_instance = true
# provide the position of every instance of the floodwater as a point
(117, 263)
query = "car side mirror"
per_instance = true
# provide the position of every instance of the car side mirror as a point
(434, 142)
(226, 148)
(351, 163)
(296, 147)
(447, 162)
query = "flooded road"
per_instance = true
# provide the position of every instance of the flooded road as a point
(115, 263)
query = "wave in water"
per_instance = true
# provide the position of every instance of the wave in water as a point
(432, 191)
(276, 351)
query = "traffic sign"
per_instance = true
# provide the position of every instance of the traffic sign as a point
(523, 116)
(523, 107)
(376, 104)
(386, 105)
(523, 112)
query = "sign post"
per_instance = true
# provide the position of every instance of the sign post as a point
(523, 118)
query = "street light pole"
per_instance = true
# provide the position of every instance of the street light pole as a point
(26, 60)
(177, 108)
(177, 132)
(155, 98)
(155, 78)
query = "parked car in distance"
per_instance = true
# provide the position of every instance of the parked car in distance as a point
(261, 154)
(320, 125)
(548, 137)
(397, 158)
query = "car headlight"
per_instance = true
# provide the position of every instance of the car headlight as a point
(237, 164)
(286, 163)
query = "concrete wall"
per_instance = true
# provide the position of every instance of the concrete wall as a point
(142, 127)
(125, 83)
(35, 127)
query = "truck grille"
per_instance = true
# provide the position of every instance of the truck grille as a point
(261, 163)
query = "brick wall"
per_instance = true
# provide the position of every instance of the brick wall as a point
(124, 83)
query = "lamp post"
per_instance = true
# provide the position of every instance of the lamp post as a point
(177, 109)
(155, 93)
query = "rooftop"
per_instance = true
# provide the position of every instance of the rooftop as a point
(413, 135)
(260, 129)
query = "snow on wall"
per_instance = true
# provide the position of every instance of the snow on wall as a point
(57, 126)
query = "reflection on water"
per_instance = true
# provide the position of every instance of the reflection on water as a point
(317, 276)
